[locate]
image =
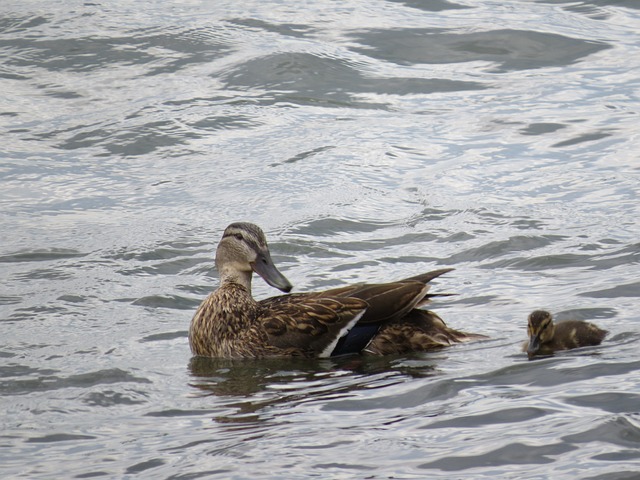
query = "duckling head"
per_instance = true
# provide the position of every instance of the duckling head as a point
(540, 328)
(242, 250)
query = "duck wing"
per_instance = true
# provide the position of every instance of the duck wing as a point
(308, 325)
(388, 303)
(342, 320)
(393, 300)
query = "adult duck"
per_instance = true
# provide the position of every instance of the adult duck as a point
(362, 318)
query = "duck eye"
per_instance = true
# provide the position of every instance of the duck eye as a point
(238, 236)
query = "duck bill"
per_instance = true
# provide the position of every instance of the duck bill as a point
(534, 345)
(264, 267)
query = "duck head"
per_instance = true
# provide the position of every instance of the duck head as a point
(540, 329)
(242, 250)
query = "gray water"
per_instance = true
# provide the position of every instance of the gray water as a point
(371, 140)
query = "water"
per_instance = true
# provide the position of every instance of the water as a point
(371, 140)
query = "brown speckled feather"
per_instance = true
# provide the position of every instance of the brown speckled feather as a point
(277, 326)
(575, 333)
(313, 321)
(419, 331)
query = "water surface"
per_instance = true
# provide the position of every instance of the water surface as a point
(371, 141)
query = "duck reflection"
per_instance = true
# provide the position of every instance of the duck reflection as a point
(308, 378)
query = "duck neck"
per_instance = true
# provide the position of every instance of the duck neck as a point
(239, 277)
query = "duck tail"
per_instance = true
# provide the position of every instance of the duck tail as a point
(428, 276)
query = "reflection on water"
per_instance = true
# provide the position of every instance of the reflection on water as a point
(245, 378)
(371, 141)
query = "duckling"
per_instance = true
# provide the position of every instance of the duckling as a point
(545, 336)
(373, 319)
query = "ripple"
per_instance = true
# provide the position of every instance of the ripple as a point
(304, 78)
(10, 300)
(509, 49)
(59, 437)
(512, 454)
(160, 337)
(144, 466)
(617, 431)
(512, 415)
(614, 402)
(165, 301)
(582, 138)
(432, 6)
(40, 255)
(109, 398)
(499, 248)
(627, 290)
(84, 380)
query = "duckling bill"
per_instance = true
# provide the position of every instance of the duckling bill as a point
(374, 319)
(546, 337)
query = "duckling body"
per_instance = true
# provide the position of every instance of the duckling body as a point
(546, 337)
(363, 318)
